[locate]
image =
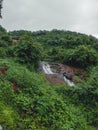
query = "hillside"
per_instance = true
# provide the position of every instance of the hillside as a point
(28, 98)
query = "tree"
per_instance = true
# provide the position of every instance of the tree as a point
(5, 39)
(2, 30)
(82, 56)
(0, 7)
(28, 51)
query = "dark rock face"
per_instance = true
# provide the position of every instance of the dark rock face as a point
(68, 76)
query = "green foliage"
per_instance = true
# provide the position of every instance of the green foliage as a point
(19, 75)
(57, 54)
(2, 29)
(3, 52)
(28, 52)
(5, 39)
(55, 114)
(8, 117)
(5, 42)
(82, 56)
(6, 89)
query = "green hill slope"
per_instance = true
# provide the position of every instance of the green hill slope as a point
(28, 101)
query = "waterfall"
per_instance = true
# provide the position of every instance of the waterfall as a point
(70, 83)
(47, 70)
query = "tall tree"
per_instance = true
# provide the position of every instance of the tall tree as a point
(0, 7)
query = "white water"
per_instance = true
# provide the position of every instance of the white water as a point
(1, 127)
(47, 69)
(70, 83)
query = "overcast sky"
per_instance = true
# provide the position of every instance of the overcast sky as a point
(74, 15)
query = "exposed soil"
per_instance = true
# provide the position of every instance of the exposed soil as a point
(60, 68)
(3, 69)
(15, 41)
(54, 79)
(15, 87)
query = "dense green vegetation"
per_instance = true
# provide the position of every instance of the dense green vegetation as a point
(28, 101)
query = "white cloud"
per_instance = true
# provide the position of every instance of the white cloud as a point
(76, 15)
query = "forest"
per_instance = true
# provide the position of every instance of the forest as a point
(28, 101)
